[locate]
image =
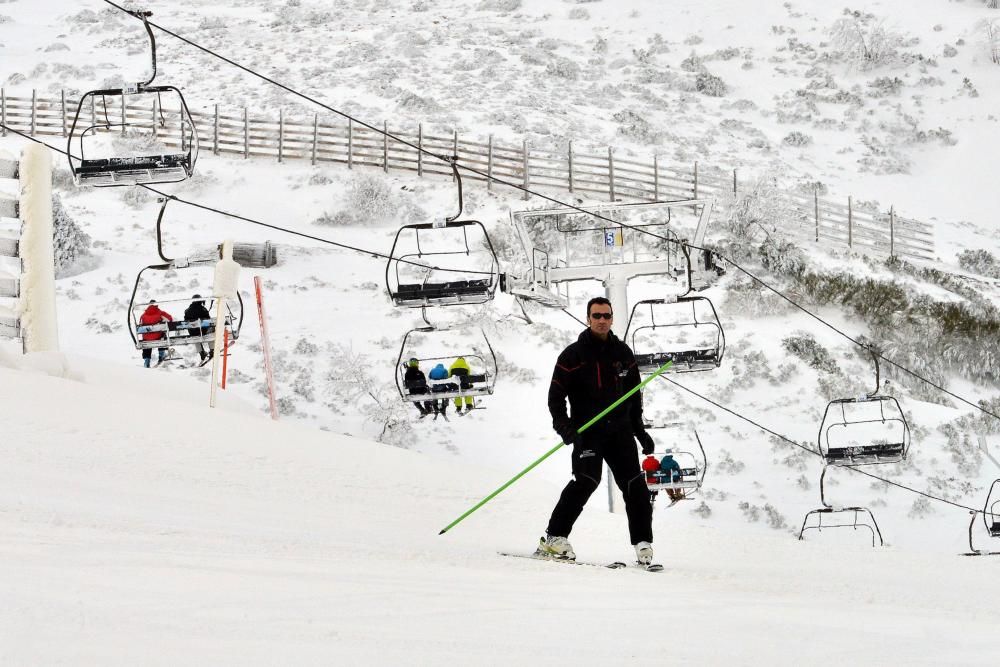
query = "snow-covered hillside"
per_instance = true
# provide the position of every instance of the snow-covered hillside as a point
(164, 532)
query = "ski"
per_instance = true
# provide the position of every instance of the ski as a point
(617, 565)
(652, 567)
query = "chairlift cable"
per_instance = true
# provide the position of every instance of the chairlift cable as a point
(453, 161)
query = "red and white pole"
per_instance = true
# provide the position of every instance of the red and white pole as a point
(265, 343)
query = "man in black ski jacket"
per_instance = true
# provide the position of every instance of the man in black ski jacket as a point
(593, 373)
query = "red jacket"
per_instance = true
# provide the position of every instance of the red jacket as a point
(153, 315)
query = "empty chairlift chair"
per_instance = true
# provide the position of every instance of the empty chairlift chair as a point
(866, 430)
(685, 330)
(438, 264)
(166, 108)
(990, 517)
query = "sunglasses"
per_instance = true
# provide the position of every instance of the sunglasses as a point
(601, 316)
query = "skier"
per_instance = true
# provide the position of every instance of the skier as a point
(593, 373)
(153, 315)
(439, 378)
(197, 312)
(460, 369)
(671, 470)
(415, 383)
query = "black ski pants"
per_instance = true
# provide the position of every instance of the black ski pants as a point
(622, 458)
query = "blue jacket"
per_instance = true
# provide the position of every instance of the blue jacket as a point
(671, 468)
(439, 372)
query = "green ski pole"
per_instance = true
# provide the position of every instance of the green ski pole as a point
(555, 449)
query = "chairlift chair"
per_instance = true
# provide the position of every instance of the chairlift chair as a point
(865, 430)
(651, 351)
(991, 521)
(180, 331)
(116, 170)
(413, 282)
(860, 517)
(474, 384)
(693, 464)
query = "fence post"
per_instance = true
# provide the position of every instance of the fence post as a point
(850, 222)
(3, 112)
(246, 133)
(892, 230)
(570, 163)
(527, 178)
(315, 144)
(62, 101)
(420, 150)
(385, 146)
(695, 179)
(281, 135)
(656, 178)
(489, 164)
(215, 132)
(124, 118)
(350, 143)
(611, 173)
(816, 210)
(34, 102)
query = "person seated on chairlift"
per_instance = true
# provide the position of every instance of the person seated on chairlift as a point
(439, 381)
(151, 316)
(460, 369)
(197, 312)
(672, 473)
(416, 383)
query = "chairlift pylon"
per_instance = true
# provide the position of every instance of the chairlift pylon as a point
(116, 170)
(411, 281)
(991, 522)
(481, 383)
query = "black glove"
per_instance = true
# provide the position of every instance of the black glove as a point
(646, 441)
(569, 436)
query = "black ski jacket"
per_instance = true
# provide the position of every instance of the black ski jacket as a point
(197, 311)
(593, 374)
(414, 378)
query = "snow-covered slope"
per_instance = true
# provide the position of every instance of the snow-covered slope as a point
(137, 528)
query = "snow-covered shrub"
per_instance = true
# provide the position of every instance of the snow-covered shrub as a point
(865, 43)
(68, 240)
(796, 138)
(499, 5)
(370, 199)
(578, 14)
(563, 68)
(636, 127)
(136, 196)
(803, 345)
(774, 518)
(885, 86)
(709, 84)
(921, 508)
(949, 51)
(750, 512)
(979, 261)
(727, 464)
(693, 63)
(702, 510)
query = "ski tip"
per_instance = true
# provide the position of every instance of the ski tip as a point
(442, 532)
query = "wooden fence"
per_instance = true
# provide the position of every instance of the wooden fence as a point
(322, 140)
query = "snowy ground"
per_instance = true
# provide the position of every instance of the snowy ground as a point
(137, 526)
(228, 539)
